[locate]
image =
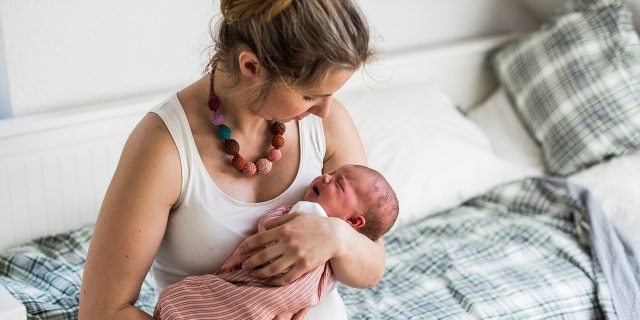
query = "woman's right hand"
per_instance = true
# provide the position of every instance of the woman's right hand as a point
(293, 247)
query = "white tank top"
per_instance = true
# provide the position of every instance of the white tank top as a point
(206, 225)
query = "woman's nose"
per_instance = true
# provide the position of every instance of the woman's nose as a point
(322, 108)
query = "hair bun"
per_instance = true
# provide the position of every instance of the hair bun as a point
(244, 9)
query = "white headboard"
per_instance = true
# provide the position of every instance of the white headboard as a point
(460, 69)
(55, 167)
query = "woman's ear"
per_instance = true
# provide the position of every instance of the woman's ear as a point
(249, 64)
(356, 221)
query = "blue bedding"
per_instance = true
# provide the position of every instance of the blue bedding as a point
(538, 248)
(532, 249)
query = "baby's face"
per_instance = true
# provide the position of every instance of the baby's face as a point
(338, 191)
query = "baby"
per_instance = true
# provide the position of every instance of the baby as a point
(356, 194)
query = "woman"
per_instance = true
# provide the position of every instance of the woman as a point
(177, 199)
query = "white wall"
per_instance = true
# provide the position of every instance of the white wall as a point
(404, 24)
(67, 53)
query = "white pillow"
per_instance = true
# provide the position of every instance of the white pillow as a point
(616, 185)
(509, 138)
(433, 156)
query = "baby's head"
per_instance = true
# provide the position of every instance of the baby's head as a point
(359, 195)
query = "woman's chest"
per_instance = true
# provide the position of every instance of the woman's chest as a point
(259, 187)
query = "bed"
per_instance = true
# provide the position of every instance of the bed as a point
(522, 200)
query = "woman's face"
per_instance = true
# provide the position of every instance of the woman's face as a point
(285, 103)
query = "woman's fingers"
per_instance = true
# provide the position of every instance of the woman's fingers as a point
(287, 250)
(248, 248)
(279, 221)
(289, 276)
(300, 314)
(287, 266)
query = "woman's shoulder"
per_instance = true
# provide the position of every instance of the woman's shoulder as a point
(343, 141)
(150, 140)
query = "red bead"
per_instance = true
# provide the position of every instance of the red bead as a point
(274, 155)
(277, 141)
(263, 166)
(278, 128)
(231, 147)
(214, 103)
(249, 169)
(238, 162)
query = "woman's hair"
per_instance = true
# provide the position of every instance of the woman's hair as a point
(297, 41)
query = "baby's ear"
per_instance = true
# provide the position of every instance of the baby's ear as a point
(356, 221)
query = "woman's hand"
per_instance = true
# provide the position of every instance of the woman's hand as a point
(293, 245)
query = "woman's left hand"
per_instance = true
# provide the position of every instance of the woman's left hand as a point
(293, 244)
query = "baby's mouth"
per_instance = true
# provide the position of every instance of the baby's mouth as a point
(316, 190)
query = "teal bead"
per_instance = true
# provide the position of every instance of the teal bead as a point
(224, 132)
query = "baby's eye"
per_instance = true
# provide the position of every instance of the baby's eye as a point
(308, 98)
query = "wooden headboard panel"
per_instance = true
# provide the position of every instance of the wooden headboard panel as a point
(55, 168)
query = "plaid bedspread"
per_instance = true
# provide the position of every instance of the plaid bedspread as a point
(46, 274)
(532, 249)
(522, 251)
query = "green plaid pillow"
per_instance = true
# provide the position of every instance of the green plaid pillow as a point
(575, 83)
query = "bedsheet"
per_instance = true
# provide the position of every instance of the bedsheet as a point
(537, 248)
(524, 250)
(45, 275)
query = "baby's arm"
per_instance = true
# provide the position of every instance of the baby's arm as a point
(279, 212)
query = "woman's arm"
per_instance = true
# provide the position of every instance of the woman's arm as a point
(131, 223)
(355, 259)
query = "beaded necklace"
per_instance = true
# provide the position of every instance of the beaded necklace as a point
(232, 147)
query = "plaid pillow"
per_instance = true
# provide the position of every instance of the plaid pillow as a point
(575, 83)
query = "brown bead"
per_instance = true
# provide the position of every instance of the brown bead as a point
(277, 141)
(238, 162)
(278, 128)
(231, 147)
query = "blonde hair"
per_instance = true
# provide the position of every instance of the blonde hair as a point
(296, 41)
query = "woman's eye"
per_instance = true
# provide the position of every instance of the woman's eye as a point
(307, 98)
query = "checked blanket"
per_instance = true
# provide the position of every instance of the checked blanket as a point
(524, 250)
(532, 249)
(46, 274)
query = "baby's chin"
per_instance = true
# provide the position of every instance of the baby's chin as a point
(310, 195)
